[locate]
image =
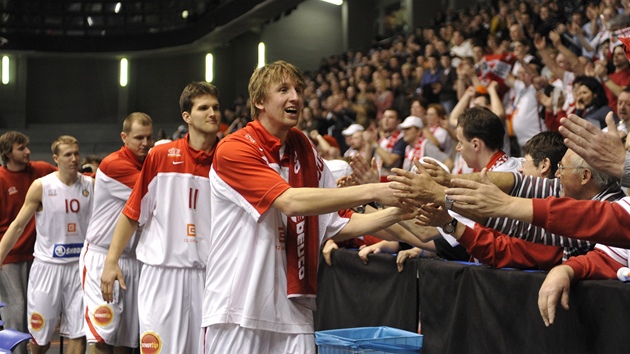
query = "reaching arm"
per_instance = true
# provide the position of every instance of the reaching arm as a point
(316, 201)
(31, 203)
(578, 67)
(541, 46)
(365, 224)
(496, 106)
(461, 106)
(111, 271)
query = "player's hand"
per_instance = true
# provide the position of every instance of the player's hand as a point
(111, 273)
(555, 287)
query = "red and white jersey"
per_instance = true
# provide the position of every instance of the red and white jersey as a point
(170, 199)
(62, 223)
(246, 274)
(115, 178)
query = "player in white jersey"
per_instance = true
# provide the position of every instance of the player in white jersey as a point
(114, 326)
(171, 201)
(273, 203)
(61, 203)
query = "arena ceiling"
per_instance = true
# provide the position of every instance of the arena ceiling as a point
(83, 26)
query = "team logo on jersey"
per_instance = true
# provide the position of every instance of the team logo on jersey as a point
(280, 245)
(103, 315)
(67, 250)
(85, 193)
(150, 343)
(72, 227)
(191, 230)
(52, 193)
(37, 321)
(174, 152)
(12, 190)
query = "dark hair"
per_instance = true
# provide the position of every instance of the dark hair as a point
(7, 140)
(194, 90)
(599, 95)
(546, 145)
(481, 123)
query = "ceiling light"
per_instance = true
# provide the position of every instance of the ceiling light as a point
(334, 2)
(117, 8)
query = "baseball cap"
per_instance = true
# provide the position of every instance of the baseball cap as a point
(411, 121)
(353, 128)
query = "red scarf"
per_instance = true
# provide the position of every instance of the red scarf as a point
(416, 151)
(498, 159)
(391, 140)
(302, 236)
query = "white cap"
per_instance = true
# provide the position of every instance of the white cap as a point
(411, 121)
(353, 128)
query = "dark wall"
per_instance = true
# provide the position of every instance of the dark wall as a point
(68, 90)
(310, 32)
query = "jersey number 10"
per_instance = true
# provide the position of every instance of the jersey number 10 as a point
(72, 206)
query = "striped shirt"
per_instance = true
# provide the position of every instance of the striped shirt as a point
(537, 187)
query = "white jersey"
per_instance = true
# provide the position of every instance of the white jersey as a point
(115, 178)
(246, 275)
(170, 200)
(62, 223)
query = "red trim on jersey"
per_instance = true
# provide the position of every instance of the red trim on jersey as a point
(175, 157)
(119, 166)
(247, 156)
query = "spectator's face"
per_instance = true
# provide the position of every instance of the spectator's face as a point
(411, 134)
(623, 106)
(390, 121)
(356, 140)
(307, 114)
(562, 61)
(445, 61)
(569, 176)
(619, 58)
(417, 109)
(529, 169)
(515, 32)
(432, 117)
(467, 149)
(584, 96)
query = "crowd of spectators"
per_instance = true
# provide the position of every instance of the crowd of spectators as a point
(548, 59)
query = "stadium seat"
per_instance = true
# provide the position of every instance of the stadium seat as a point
(10, 338)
